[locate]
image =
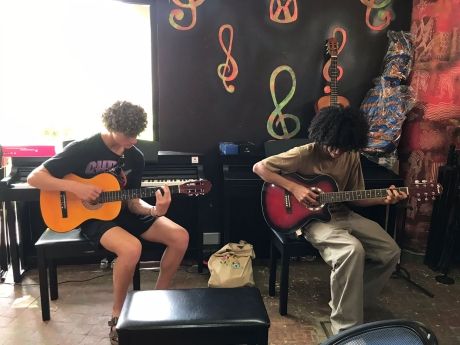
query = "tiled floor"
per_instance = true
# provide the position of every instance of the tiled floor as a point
(80, 314)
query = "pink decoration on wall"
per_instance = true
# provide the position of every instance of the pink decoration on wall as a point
(283, 13)
(229, 70)
(383, 14)
(178, 14)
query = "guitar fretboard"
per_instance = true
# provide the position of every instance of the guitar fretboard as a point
(325, 198)
(333, 75)
(128, 194)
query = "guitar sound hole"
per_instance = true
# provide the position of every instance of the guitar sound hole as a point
(92, 205)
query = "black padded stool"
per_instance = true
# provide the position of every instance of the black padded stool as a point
(52, 246)
(194, 317)
(281, 245)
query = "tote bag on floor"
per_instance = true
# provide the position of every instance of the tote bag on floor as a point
(231, 266)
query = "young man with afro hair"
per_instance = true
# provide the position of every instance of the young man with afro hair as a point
(361, 254)
(113, 150)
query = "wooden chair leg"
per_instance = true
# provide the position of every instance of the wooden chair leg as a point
(43, 280)
(284, 282)
(272, 276)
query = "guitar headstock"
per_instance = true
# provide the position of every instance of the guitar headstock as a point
(332, 47)
(195, 188)
(425, 190)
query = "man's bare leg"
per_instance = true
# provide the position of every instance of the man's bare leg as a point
(176, 238)
(128, 251)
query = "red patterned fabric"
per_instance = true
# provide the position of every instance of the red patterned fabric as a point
(434, 123)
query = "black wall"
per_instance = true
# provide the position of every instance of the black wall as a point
(194, 110)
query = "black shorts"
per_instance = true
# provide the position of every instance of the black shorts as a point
(135, 224)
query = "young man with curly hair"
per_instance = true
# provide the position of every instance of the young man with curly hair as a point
(113, 150)
(362, 256)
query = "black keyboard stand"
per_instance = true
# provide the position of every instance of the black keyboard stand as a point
(400, 271)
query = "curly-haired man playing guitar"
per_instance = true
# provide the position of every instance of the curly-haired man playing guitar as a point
(361, 254)
(114, 150)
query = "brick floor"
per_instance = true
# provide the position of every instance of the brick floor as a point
(80, 314)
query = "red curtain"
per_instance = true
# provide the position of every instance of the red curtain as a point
(434, 123)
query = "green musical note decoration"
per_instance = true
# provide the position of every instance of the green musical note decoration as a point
(277, 118)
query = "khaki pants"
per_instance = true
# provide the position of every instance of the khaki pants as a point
(362, 257)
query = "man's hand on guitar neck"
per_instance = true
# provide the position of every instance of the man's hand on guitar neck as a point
(394, 196)
(163, 200)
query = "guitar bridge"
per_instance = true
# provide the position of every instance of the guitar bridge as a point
(63, 200)
(287, 202)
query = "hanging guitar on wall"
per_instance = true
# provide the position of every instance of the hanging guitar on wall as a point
(333, 99)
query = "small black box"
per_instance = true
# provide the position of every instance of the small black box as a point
(246, 148)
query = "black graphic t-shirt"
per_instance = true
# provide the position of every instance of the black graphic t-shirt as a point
(89, 157)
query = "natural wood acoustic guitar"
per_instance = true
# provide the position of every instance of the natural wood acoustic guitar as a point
(63, 211)
(333, 99)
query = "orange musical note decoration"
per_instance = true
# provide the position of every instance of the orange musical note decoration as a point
(178, 13)
(288, 16)
(227, 72)
(384, 15)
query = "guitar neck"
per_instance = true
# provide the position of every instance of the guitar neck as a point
(128, 194)
(325, 198)
(333, 74)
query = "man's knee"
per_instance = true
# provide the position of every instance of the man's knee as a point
(181, 239)
(356, 249)
(394, 253)
(351, 254)
(130, 251)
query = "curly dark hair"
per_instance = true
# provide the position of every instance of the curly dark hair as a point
(126, 118)
(340, 128)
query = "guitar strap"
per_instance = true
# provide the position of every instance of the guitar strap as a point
(117, 170)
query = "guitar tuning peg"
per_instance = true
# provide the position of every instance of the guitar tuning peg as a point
(417, 181)
(424, 181)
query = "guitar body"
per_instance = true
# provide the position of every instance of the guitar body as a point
(63, 211)
(325, 102)
(284, 213)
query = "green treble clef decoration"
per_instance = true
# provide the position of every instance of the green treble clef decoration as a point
(277, 118)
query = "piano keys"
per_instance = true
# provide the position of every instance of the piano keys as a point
(173, 165)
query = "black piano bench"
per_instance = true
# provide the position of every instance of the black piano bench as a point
(201, 316)
(52, 246)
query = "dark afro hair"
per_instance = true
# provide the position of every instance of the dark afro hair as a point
(126, 118)
(340, 128)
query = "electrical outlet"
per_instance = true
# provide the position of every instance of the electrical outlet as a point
(211, 238)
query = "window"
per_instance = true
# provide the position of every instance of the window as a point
(63, 62)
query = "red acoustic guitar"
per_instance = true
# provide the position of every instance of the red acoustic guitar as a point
(332, 100)
(285, 214)
(63, 211)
